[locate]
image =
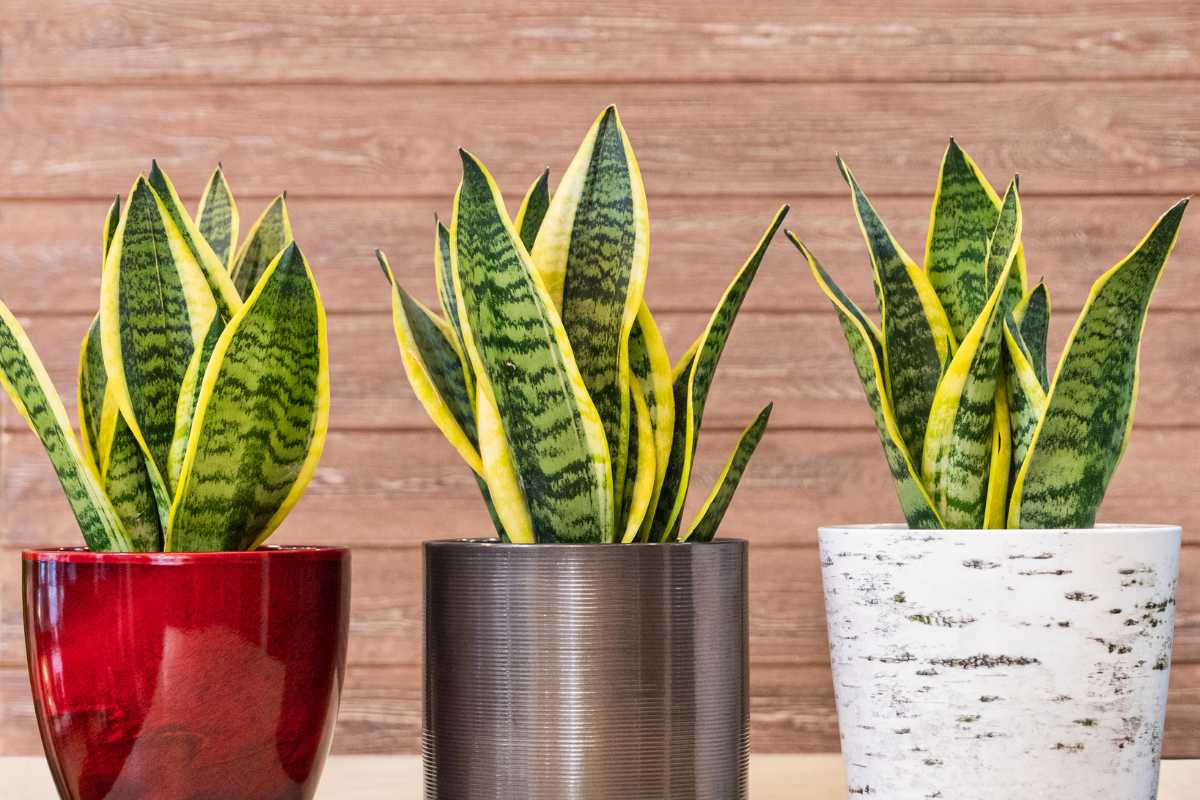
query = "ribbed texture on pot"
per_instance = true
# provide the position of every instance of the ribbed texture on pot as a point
(586, 672)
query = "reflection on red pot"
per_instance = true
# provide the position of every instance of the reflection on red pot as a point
(187, 675)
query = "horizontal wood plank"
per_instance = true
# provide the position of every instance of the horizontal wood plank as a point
(798, 360)
(225, 42)
(769, 140)
(697, 244)
(791, 711)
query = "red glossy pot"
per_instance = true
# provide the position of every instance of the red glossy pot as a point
(187, 675)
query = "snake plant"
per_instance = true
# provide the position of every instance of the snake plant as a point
(975, 431)
(547, 372)
(203, 379)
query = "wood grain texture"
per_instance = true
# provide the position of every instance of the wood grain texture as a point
(768, 140)
(222, 42)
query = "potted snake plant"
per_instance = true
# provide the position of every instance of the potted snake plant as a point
(175, 644)
(596, 645)
(1000, 640)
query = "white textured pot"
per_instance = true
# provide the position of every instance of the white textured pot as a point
(994, 665)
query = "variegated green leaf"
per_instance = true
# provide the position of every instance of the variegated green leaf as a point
(128, 484)
(271, 232)
(435, 369)
(217, 218)
(210, 265)
(596, 235)
(111, 220)
(261, 418)
(1082, 435)
(93, 381)
(511, 512)
(708, 519)
(651, 367)
(866, 349)
(25, 379)
(640, 474)
(189, 395)
(691, 388)
(533, 210)
(1001, 250)
(443, 264)
(1026, 395)
(995, 510)
(523, 364)
(962, 435)
(156, 306)
(1032, 315)
(917, 334)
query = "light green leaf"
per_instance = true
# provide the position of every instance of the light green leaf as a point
(524, 365)
(271, 232)
(708, 520)
(1026, 395)
(443, 265)
(25, 379)
(189, 396)
(1081, 438)
(866, 349)
(651, 368)
(1003, 244)
(640, 474)
(91, 385)
(1032, 314)
(128, 484)
(692, 386)
(533, 210)
(261, 418)
(917, 334)
(217, 218)
(211, 267)
(596, 235)
(962, 436)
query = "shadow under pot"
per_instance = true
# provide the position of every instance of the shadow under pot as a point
(1022, 663)
(574, 672)
(186, 675)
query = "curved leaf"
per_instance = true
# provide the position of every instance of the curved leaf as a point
(211, 267)
(217, 218)
(995, 510)
(111, 220)
(1033, 316)
(523, 362)
(708, 519)
(533, 209)
(189, 396)
(1003, 245)
(261, 417)
(962, 435)
(641, 473)
(867, 352)
(651, 367)
(271, 232)
(1026, 396)
(128, 484)
(691, 388)
(25, 379)
(917, 334)
(93, 381)
(1077, 445)
(500, 471)
(443, 265)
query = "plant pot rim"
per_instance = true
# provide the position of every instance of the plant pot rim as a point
(496, 544)
(291, 553)
(1104, 528)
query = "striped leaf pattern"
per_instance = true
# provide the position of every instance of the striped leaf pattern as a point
(692, 385)
(866, 351)
(261, 416)
(1082, 435)
(917, 333)
(93, 381)
(523, 362)
(708, 519)
(1002, 446)
(217, 217)
(271, 232)
(29, 386)
(129, 486)
(584, 431)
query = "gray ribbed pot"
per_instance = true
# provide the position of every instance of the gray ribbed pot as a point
(1001, 664)
(577, 672)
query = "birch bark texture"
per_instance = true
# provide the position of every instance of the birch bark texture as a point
(1000, 664)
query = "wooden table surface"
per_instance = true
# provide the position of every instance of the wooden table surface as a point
(772, 777)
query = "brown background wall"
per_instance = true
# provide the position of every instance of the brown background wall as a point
(732, 109)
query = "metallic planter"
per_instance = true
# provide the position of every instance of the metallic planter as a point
(1001, 664)
(577, 672)
(179, 676)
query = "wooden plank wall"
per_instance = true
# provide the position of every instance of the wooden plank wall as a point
(356, 109)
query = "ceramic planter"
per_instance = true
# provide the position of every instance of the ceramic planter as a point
(1001, 664)
(573, 672)
(186, 675)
